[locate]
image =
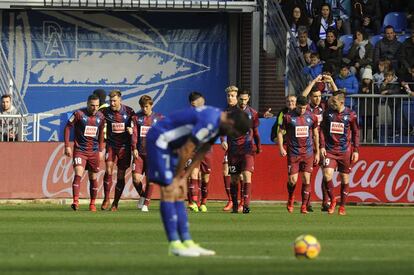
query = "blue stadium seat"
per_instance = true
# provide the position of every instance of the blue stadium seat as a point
(396, 19)
(347, 39)
(374, 39)
(402, 37)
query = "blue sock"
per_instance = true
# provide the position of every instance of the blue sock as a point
(183, 227)
(169, 219)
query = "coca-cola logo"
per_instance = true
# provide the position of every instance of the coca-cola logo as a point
(394, 178)
(58, 177)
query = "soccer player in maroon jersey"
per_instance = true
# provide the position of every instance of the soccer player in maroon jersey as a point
(231, 96)
(142, 122)
(302, 137)
(88, 147)
(339, 146)
(118, 146)
(241, 154)
(317, 106)
(200, 175)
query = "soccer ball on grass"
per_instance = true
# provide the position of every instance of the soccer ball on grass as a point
(306, 247)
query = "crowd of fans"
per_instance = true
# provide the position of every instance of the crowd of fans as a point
(385, 66)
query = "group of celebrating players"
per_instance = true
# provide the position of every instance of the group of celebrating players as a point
(312, 132)
(174, 152)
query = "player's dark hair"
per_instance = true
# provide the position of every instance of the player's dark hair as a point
(242, 123)
(194, 96)
(340, 93)
(6, 96)
(388, 27)
(301, 101)
(101, 95)
(243, 92)
(93, 97)
(144, 100)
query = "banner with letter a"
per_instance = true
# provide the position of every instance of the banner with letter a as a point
(59, 57)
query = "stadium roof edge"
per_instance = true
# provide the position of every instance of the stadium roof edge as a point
(141, 5)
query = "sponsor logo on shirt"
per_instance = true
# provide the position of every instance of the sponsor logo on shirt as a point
(90, 131)
(301, 131)
(337, 128)
(118, 128)
(143, 131)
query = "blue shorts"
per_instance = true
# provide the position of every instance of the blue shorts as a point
(161, 161)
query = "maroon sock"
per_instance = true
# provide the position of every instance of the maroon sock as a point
(227, 182)
(93, 190)
(107, 186)
(204, 191)
(193, 190)
(325, 195)
(344, 193)
(329, 189)
(305, 193)
(241, 192)
(234, 189)
(119, 188)
(291, 189)
(138, 187)
(148, 193)
(76, 188)
(246, 195)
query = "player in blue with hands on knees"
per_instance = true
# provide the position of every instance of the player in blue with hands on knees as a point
(170, 143)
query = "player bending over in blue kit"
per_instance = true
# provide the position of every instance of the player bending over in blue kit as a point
(170, 143)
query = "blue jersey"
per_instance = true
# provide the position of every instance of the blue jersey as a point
(201, 124)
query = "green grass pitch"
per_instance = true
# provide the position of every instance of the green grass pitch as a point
(52, 239)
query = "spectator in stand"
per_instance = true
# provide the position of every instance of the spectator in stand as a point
(366, 14)
(410, 14)
(8, 129)
(322, 23)
(288, 5)
(330, 50)
(368, 107)
(384, 65)
(315, 67)
(348, 82)
(361, 53)
(341, 11)
(307, 57)
(407, 56)
(305, 43)
(296, 20)
(312, 9)
(388, 47)
(408, 81)
(390, 86)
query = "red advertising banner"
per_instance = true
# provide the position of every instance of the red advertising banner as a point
(40, 170)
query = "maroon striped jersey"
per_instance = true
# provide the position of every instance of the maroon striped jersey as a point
(339, 130)
(117, 135)
(317, 110)
(299, 132)
(141, 124)
(244, 144)
(89, 131)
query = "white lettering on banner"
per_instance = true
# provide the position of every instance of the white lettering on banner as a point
(118, 128)
(58, 177)
(396, 185)
(301, 131)
(337, 128)
(144, 130)
(90, 131)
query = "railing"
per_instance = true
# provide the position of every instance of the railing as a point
(132, 4)
(13, 128)
(286, 45)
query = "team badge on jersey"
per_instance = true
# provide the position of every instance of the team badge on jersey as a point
(143, 131)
